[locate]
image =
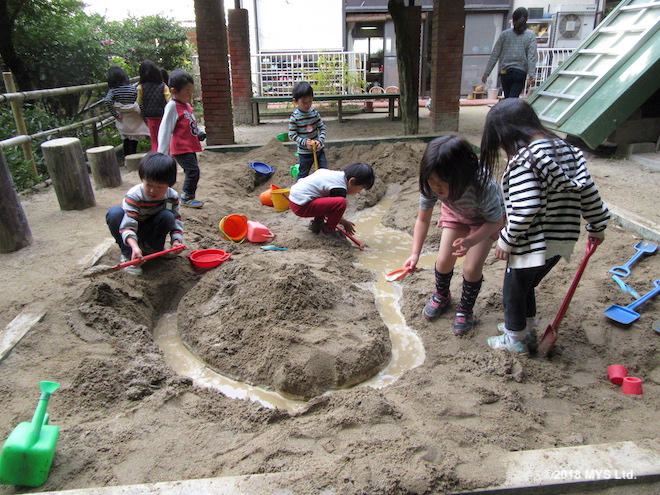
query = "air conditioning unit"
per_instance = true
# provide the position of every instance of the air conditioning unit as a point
(572, 25)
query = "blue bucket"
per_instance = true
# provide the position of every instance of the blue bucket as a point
(261, 168)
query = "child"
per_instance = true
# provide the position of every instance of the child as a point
(152, 96)
(546, 189)
(472, 214)
(121, 101)
(149, 212)
(305, 128)
(179, 136)
(322, 195)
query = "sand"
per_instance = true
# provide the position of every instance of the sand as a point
(304, 321)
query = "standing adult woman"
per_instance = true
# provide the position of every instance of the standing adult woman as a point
(516, 51)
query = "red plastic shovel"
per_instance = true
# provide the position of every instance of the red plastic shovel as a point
(549, 337)
(397, 274)
(102, 269)
(355, 241)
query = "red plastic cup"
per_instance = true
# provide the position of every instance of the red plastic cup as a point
(616, 373)
(631, 386)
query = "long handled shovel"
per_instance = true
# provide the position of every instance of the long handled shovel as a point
(359, 244)
(316, 160)
(549, 337)
(28, 453)
(103, 269)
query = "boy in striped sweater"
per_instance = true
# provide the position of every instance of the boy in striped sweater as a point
(306, 128)
(149, 212)
(547, 188)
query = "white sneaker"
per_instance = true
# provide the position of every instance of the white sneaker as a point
(134, 270)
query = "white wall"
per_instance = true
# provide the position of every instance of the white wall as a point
(310, 25)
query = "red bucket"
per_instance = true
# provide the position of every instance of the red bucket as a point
(208, 258)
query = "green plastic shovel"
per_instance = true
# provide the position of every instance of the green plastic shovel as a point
(28, 452)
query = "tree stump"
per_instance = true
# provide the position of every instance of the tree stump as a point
(14, 229)
(132, 162)
(67, 168)
(105, 169)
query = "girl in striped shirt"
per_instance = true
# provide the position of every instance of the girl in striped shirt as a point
(547, 188)
(121, 101)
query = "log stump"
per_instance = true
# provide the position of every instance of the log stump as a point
(105, 169)
(67, 168)
(132, 162)
(14, 229)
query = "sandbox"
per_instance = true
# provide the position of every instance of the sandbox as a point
(128, 418)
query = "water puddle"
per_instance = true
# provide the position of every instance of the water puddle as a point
(387, 250)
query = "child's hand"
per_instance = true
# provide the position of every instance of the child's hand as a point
(501, 254)
(176, 243)
(137, 254)
(319, 145)
(462, 245)
(349, 227)
(411, 262)
(309, 144)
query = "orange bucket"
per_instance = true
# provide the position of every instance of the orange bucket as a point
(280, 199)
(265, 197)
(234, 227)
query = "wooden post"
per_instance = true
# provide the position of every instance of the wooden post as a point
(105, 169)
(17, 110)
(14, 229)
(132, 162)
(67, 168)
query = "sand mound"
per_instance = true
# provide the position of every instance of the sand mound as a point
(285, 326)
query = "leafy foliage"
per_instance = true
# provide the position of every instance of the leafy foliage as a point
(155, 37)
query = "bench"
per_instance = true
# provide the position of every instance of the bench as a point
(340, 99)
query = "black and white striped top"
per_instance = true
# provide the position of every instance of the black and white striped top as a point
(121, 94)
(547, 188)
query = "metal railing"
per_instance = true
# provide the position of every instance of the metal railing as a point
(547, 61)
(330, 72)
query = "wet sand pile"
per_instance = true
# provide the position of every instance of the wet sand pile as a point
(304, 321)
(285, 326)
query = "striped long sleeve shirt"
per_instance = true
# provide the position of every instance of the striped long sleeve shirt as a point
(138, 207)
(122, 94)
(547, 188)
(304, 126)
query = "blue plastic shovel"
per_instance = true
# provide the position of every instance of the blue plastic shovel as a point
(626, 314)
(642, 247)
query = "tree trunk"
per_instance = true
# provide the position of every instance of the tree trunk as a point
(14, 229)
(67, 168)
(407, 25)
(105, 169)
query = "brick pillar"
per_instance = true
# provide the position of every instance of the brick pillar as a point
(241, 74)
(214, 69)
(447, 57)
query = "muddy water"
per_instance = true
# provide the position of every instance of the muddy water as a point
(387, 250)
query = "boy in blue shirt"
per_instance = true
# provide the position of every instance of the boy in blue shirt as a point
(307, 128)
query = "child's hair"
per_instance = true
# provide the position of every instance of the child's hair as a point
(179, 79)
(150, 73)
(117, 77)
(362, 173)
(164, 75)
(158, 167)
(302, 90)
(454, 161)
(511, 125)
(520, 16)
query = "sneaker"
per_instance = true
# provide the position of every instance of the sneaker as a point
(463, 322)
(531, 338)
(335, 235)
(192, 203)
(134, 270)
(504, 342)
(315, 226)
(436, 305)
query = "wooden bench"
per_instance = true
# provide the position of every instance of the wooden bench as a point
(340, 99)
